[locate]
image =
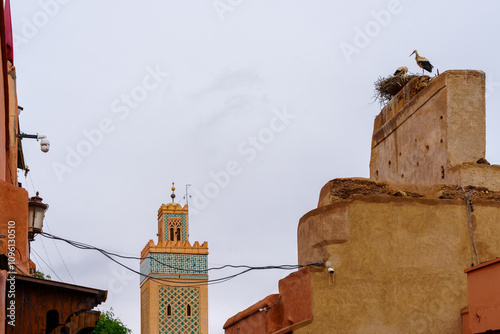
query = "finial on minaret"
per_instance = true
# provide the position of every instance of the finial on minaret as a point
(173, 194)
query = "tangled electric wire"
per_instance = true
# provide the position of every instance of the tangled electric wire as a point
(111, 255)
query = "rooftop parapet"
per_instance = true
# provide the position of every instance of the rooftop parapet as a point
(175, 247)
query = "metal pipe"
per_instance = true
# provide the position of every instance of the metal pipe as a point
(24, 135)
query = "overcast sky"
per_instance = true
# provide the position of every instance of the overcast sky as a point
(257, 104)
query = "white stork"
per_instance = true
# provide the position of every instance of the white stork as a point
(402, 70)
(422, 62)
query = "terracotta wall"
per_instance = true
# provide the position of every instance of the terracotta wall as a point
(483, 313)
(252, 320)
(279, 313)
(14, 208)
(3, 126)
(13, 126)
(3, 156)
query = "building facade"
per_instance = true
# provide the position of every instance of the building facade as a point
(174, 293)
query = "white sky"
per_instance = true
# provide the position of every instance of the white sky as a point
(221, 77)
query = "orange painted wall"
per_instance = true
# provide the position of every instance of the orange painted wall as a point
(14, 208)
(4, 119)
(3, 127)
(13, 123)
(484, 297)
(4, 112)
(277, 313)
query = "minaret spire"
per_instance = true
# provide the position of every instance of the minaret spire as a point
(173, 193)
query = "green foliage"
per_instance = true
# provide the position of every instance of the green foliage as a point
(39, 274)
(108, 324)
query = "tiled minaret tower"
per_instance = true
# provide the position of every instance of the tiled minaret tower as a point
(174, 294)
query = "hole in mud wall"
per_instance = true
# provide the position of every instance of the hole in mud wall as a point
(441, 117)
(402, 176)
(418, 164)
(441, 141)
(442, 172)
(389, 163)
(376, 173)
(427, 148)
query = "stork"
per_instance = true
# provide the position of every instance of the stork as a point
(422, 62)
(402, 70)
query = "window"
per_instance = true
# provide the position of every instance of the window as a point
(175, 225)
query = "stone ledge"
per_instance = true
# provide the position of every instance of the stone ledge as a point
(348, 188)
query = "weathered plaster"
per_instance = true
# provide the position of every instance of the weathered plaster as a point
(441, 127)
(401, 268)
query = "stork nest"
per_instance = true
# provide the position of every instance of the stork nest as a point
(386, 88)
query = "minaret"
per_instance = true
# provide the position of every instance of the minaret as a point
(174, 294)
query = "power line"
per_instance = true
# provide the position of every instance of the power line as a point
(27, 183)
(36, 262)
(46, 264)
(57, 248)
(81, 245)
(110, 255)
(27, 172)
(87, 246)
(48, 257)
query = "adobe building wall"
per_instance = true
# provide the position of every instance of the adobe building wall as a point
(441, 128)
(399, 242)
(399, 257)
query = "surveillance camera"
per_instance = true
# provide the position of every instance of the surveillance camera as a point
(45, 147)
(331, 270)
(44, 143)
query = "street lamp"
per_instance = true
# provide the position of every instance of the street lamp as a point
(36, 213)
